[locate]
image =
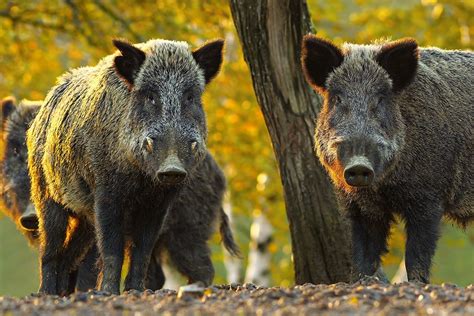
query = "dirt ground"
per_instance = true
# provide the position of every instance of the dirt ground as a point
(367, 297)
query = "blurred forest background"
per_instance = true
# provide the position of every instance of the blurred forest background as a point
(42, 39)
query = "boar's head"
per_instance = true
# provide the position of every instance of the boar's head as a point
(166, 81)
(15, 182)
(360, 129)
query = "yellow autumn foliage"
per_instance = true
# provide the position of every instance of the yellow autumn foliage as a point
(43, 39)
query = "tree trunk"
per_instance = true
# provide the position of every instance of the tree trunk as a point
(270, 32)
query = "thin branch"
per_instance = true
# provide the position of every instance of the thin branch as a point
(36, 23)
(76, 13)
(125, 24)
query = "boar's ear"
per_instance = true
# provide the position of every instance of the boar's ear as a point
(319, 57)
(8, 105)
(209, 58)
(400, 60)
(128, 64)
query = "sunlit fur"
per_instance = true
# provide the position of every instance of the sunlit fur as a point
(418, 135)
(87, 159)
(190, 224)
(106, 107)
(15, 182)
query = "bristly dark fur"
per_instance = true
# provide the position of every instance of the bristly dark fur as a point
(202, 202)
(128, 64)
(102, 153)
(319, 57)
(405, 114)
(14, 180)
(400, 60)
(15, 199)
(209, 57)
(227, 237)
(190, 224)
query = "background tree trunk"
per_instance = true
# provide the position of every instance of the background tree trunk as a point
(270, 32)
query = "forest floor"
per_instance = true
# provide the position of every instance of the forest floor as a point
(367, 297)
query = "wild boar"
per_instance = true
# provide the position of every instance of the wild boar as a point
(109, 152)
(395, 134)
(185, 233)
(15, 182)
(188, 227)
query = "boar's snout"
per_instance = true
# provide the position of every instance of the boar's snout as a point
(172, 175)
(172, 171)
(359, 172)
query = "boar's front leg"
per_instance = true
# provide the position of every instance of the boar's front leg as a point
(369, 242)
(53, 227)
(84, 277)
(110, 237)
(147, 225)
(87, 272)
(422, 228)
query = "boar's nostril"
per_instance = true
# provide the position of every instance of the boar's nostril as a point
(359, 175)
(172, 175)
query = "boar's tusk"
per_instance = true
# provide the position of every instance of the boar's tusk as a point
(149, 144)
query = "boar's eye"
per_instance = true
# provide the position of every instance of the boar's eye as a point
(188, 97)
(335, 100)
(376, 103)
(150, 99)
(8, 198)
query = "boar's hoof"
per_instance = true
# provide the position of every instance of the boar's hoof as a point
(193, 290)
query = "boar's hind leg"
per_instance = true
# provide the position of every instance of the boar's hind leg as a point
(155, 278)
(88, 271)
(191, 256)
(80, 241)
(422, 235)
(53, 227)
(369, 242)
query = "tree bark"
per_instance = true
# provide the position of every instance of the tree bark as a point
(270, 32)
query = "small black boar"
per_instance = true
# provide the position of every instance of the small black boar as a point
(190, 224)
(109, 152)
(15, 182)
(396, 136)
